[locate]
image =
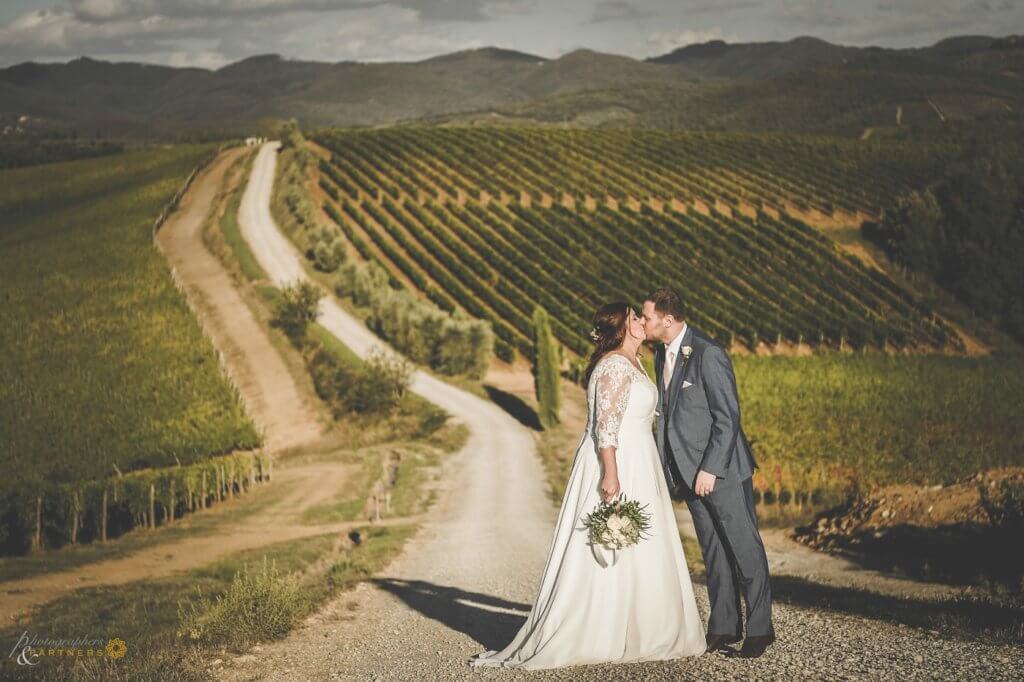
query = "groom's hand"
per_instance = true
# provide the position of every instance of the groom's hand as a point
(704, 484)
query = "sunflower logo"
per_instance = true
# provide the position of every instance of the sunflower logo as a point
(116, 648)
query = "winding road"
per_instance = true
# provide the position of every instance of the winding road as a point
(467, 579)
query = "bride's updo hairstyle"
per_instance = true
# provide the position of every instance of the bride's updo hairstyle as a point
(608, 333)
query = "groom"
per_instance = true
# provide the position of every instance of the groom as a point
(707, 462)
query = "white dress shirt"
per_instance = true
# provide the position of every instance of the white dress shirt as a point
(671, 354)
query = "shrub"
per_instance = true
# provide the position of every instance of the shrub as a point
(380, 384)
(258, 606)
(331, 380)
(373, 388)
(328, 255)
(362, 283)
(449, 343)
(1005, 508)
(464, 347)
(296, 309)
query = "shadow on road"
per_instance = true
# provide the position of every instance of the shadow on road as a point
(961, 616)
(471, 613)
(515, 406)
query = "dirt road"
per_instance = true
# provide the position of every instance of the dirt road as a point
(270, 392)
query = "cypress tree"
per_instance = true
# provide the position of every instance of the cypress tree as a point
(545, 368)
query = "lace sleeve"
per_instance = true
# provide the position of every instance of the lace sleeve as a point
(611, 394)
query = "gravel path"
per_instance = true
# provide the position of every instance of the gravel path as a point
(466, 581)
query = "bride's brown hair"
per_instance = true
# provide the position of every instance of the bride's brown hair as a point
(608, 334)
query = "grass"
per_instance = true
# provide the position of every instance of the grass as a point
(230, 229)
(146, 614)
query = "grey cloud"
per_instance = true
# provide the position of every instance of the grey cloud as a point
(718, 7)
(429, 10)
(616, 10)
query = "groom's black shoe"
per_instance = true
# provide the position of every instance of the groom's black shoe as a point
(719, 642)
(754, 645)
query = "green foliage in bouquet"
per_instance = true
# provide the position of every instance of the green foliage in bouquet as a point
(618, 524)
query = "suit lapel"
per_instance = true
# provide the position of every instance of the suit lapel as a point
(659, 373)
(677, 372)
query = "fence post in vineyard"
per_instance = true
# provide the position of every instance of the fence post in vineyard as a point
(202, 494)
(75, 511)
(170, 507)
(152, 505)
(103, 517)
(220, 483)
(37, 537)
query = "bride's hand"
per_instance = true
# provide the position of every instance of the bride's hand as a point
(609, 486)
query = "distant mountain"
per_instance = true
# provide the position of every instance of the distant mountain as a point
(719, 59)
(801, 84)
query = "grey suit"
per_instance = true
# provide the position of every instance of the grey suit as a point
(698, 428)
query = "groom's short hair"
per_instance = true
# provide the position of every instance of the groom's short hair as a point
(667, 302)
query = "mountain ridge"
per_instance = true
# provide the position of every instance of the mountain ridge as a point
(135, 99)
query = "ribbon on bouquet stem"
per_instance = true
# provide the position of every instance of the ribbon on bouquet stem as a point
(606, 556)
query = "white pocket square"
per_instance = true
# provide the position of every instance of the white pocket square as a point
(687, 383)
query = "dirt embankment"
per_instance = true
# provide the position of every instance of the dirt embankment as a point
(955, 532)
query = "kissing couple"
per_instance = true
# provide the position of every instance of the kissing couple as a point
(677, 437)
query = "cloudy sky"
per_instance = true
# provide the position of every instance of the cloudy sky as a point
(212, 33)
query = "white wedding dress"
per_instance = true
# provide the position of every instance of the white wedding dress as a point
(639, 608)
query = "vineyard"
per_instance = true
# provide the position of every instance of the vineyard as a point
(835, 424)
(832, 425)
(495, 221)
(105, 370)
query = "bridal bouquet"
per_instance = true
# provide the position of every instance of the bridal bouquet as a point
(616, 525)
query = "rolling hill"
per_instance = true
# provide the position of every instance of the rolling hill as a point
(804, 84)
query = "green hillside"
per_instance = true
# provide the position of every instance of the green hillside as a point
(104, 364)
(497, 220)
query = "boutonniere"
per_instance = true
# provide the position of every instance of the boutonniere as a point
(686, 351)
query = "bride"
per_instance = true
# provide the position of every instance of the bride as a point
(638, 605)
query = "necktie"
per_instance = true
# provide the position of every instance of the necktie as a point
(670, 366)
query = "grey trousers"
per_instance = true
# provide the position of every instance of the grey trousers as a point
(734, 559)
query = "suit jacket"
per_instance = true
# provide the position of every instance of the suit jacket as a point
(698, 420)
